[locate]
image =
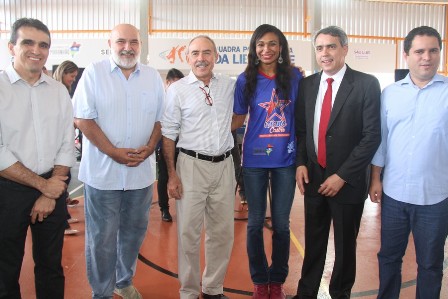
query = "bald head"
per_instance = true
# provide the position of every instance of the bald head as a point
(121, 29)
(125, 44)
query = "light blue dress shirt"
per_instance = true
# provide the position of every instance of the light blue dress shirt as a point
(125, 110)
(414, 147)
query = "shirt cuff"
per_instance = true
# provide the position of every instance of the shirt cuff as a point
(170, 134)
(378, 160)
(6, 158)
(65, 160)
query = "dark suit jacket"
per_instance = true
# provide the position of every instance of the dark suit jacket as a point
(353, 133)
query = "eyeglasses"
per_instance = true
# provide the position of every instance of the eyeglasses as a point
(208, 97)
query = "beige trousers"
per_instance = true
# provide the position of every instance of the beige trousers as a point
(208, 201)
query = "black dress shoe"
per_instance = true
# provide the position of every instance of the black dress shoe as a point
(220, 296)
(166, 216)
(243, 198)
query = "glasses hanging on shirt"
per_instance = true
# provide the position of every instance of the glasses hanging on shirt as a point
(208, 97)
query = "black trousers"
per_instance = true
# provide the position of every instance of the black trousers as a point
(16, 202)
(237, 163)
(319, 213)
(162, 180)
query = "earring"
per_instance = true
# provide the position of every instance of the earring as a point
(257, 61)
(280, 59)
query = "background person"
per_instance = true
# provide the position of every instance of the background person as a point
(338, 132)
(66, 73)
(236, 155)
(118, 104)
(172, 76)
(199, 112)
(267, 90)
(413, 156)
(36, 153)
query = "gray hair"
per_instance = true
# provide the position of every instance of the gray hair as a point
(333, 31)
(202, 36)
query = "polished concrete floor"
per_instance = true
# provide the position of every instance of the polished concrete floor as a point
(157, 265)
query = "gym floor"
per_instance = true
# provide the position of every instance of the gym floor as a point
(157, 264)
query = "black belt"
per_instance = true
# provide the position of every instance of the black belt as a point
(213, 159)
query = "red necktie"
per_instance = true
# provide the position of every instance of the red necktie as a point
(324, 119)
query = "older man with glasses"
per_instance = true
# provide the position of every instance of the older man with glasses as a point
(199, 112)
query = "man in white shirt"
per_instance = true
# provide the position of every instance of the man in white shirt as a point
(199, 112)
(36, 153)
(117, 105)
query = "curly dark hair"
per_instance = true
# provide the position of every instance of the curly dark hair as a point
(283, 71)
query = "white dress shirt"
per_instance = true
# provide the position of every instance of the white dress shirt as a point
(126, 111)
(202, 128)
(320, 98)
(36, 123)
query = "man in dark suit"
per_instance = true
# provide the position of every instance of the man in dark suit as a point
(338, 131)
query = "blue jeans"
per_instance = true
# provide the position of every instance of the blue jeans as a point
(429, 227)
(283, 186)
(116, 223)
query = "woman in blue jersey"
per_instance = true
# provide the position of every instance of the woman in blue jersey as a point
(266, 93)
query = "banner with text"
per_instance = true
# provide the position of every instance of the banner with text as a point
(168, 53)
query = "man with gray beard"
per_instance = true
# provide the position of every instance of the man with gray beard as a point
(118, 106)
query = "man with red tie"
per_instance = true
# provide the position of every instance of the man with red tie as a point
(338, 131)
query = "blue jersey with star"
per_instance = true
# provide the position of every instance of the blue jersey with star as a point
(269, 140)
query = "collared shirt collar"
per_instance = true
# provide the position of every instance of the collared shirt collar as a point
(14, 76)
(192, 78)
(114, 66)
(436, 78)
(337, 77)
